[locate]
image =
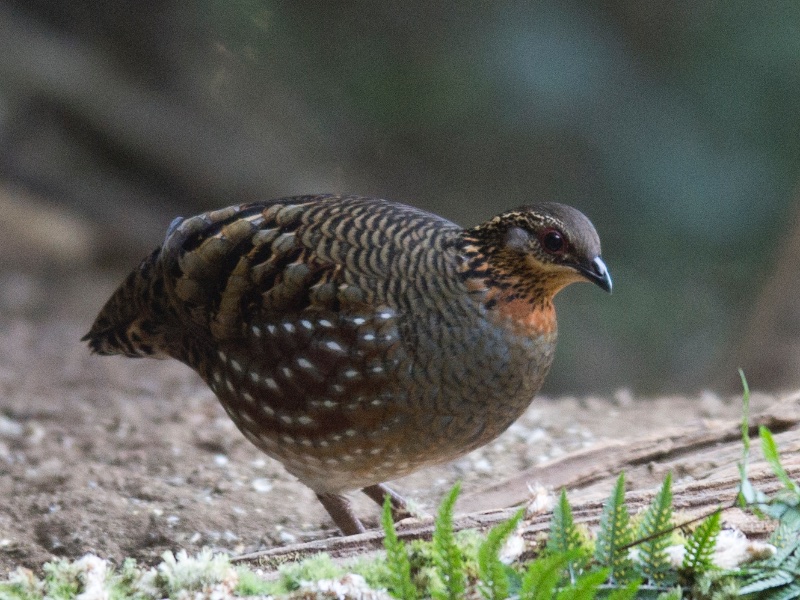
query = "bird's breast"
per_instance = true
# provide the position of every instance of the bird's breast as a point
(526, 318)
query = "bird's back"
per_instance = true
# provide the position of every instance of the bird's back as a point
(219, 270)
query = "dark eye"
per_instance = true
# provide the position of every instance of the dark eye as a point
(553, 241)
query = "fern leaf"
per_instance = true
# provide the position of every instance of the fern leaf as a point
(793, 562)
(654, 563)
(626, 593)
(790, 592)
(673, 594)
(446, 553)
(492, 572)
(564, 536)
(615, 534)
(399, 566)
(542, 577)
(767, 582)
(701, 545)
(786, 510)
(778, 576)
(788, 556)
(783, 535)
(585, 587)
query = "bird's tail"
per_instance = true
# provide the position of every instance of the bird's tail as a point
(129, 323)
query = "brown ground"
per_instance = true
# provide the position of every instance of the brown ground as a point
(131, 458)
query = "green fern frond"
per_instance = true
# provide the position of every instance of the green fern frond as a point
(397, 562)
(701, 545)
(446, 553)
(786, 509)
(494, 580)
(766, 581)
(543, 576)
(791, 592)
(585, 587)
(654, 563)
(788, 555)
(564, 536)
(615, 534)
(778, 575)
(625, 593)
(784, 535)
(673, 594)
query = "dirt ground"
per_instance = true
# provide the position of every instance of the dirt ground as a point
(125, 457)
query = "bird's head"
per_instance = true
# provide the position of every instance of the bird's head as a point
(537, 250)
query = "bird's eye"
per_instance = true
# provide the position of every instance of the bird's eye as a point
(553, 241)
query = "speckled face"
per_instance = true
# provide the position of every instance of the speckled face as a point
(549, 244)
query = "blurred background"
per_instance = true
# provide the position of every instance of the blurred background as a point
(675, 126)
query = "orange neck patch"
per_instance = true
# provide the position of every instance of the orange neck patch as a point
(534, 319)
(526, 308)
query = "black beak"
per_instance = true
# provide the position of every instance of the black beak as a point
(596, 272)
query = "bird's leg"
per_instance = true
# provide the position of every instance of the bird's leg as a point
(341, 512)
(378, 493)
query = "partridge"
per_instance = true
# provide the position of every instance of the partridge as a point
(357, 340)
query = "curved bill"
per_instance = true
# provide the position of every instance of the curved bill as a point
(597, 273)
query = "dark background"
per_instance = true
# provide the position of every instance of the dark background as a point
(675, 126)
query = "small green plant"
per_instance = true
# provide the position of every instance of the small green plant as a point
(615, 535)
(544, 579)
(401, 585)
(543, 576)
(785, 505)
(565, 539)
(564, 571)
(494, 575)
(447, 555)
(700, 546)
(776, 577)
(654, 533)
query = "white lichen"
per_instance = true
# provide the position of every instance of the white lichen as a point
(347, 587)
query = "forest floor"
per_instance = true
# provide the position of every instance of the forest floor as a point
(129, 458)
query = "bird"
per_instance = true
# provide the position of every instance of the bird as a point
(357, 340)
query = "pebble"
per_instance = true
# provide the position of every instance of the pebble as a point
(482, 465)
(286, 537)
(10, 429)
(261, 485)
